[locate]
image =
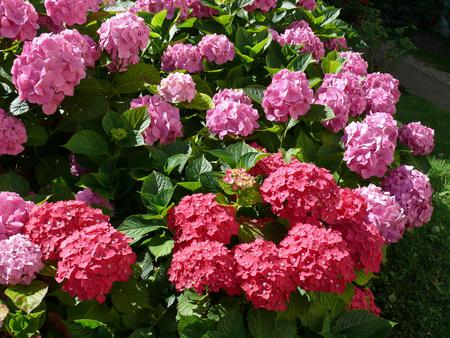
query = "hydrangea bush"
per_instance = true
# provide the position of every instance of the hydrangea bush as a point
(187, 168)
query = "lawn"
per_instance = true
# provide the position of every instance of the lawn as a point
(414, 289)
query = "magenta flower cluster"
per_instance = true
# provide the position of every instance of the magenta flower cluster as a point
(177, 87)
(84, 44)
(217, 48)
(18, 20)
(13, 214)
(70, 12)
(382, 93)
(12, 134)
(338, 101)
(354, 63)
(418, 138)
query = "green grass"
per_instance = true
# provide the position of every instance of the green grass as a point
(438, 61)
(414, 287)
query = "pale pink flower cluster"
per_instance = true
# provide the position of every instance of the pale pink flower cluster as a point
(418, 138)
(48, 69)
(70, 12)
(307, 4)
(336, 44)
(232, 115)
(338, 101)
(85, 44)
(123, 36)
(165, 124)
(413, 192)
(13, 213)
(382, 93)
(288, 96)
(354, 63)
(300, 34)
(370, 145)
(182, 57)
(12, 134)
(18, 20)
(217, 48)
(262, 5)
(177, 87)
(384, 212)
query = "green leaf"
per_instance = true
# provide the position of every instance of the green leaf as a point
(136, 78)
(18, 107)
(284, 329)
(319, 113)
(27, 297)
(301, 62)
(196, 168)
(79, 108)
(223, 155)
(130, 296)
(158, 20)
(160, 246)
(87, 142)
(157, 189)
(255, 92)
(250, 159)
(232, 324)
(137, 118)
(191, 186)
(243, 39)
(191, 304)
(21, 325)
(142, 333)
(138, 226)
(13, 182)
(362, 324)
(37, 134)
(177, 160)
(201, 101)
(261, 323)
(209, 182)
(238, 150)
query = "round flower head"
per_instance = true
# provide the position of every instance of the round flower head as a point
(239, 179)
(51, 223)
(200, 217)
(204, 265)
(307, 4)
(177, 87)
(85, 44)
(165, 124)
(287, 96)
(300, 33)
(382, 93)
(93, 199)
(182, 57)
(262, 5)
(48, 69)
(319, 258)
(363, 299)
(297, 191)
(232, 118)
(370, 145)
(336, 44)
(18, 20)
(337, 100)
(122, 37)
(351, 86)
(92, 259)
(413, 192)
(418, 138)
(20, 260)
(70, 12)
(265, 277)
(13, 213)
(354, 63)
(268, 165)
(46, 22)
(12, 134)
(384, 212)
(217, 48)
(235, 95)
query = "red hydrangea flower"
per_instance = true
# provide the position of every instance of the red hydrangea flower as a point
(268, 165)
(50, 223)
(320, 258)
(297, 191)
(364, 300)
(264, 275)
(200, 217)
(201, 265)
(92, 259)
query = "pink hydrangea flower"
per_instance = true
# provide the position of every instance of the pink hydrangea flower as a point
(18, 20)
(384, 212)
(287, 96)
(88, 196)
(12, 134)
(418, 138)
(265, 277)
(370, 145)
(262, 5)
(297, 191)
(48, 69)
(239, 179)
(51, 223)
(70, 12)
(76, 169)
(300, 33)
(268, 165)
(338, 101)
(123, 36)
(85, 44)
(20, 260)
(92, 259)
(46, 22)
(200, 217)
(382, 93)
(354, 63)
(307, 4)
(413, 192)
(177, 87)
(13, 213)
(217, 48)
(235, 95)
(336, 44)
(182, 57)
(363, 299)
(201, 265)
(165, 124)
(319, 258)
(350, 84)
